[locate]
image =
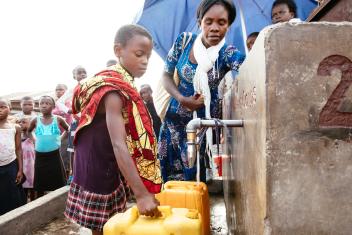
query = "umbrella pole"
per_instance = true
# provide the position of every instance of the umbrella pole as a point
(243, 27)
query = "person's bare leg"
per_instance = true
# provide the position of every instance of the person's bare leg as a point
(95, 232)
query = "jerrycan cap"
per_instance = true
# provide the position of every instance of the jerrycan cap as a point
(192, 214)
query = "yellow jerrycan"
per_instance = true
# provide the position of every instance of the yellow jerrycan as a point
(174, 221)
(188, 194)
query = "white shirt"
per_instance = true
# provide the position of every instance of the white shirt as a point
(7, 146)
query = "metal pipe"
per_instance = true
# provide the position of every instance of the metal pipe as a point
(197, 123)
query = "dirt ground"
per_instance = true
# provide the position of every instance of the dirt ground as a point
(61, 226)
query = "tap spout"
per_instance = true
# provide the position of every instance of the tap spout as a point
(196, 124)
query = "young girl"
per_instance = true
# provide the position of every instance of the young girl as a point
(10, 161)
(114, 138)
(28, 158)
(48, 167)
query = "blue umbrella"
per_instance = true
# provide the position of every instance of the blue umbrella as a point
(166, 19)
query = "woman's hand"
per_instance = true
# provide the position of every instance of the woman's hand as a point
(148, 205)
(192, 102)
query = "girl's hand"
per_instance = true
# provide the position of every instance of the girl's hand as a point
(19, 177)
(192, 102)
(148, 205)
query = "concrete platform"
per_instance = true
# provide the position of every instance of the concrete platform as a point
(34, 214)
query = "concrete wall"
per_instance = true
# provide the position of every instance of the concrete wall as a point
(333, 11)
(34, 214)
(292, 161)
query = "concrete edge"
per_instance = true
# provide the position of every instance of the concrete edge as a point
(34, 214)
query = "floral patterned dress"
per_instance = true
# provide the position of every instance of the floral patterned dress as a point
(172, 146)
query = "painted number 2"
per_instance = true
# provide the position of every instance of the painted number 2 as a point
(331, 116)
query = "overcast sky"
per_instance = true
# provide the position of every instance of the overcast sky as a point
(43, 40)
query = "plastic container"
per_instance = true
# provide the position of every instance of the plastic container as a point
(188, 194)
(218, 165)
(175, 221)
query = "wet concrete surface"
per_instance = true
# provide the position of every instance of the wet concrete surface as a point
(61, 225)
(218, 224)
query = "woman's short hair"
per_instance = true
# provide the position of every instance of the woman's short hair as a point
(205, 5)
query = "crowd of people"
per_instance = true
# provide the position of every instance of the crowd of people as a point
(105, 139)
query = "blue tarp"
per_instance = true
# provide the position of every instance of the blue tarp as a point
(166, 19)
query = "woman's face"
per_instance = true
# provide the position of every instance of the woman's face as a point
(214, 25)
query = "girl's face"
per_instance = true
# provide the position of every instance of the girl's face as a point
(134, 56)
(214, 25)
(146, 94)
(281, 13)
(80, 74)
(60, 90)
(250, 42)
(4, 110)
(46, 105)
(24, 123)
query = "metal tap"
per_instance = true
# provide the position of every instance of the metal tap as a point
(197, 123)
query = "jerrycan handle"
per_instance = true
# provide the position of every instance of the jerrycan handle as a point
(180, 185)
(177, 185)
(165, 210)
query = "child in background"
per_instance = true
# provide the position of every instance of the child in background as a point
(27, 106)
(251, 40)
(284, 11)
(59, 92)
(111, 63)
(59, 110)
(79, 73)
(146, 94)
(48, 167)
(28, 158)
(11, 173)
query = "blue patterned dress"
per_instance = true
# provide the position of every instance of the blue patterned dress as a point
(172, 140)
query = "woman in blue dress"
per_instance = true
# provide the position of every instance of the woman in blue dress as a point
(186, 55)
